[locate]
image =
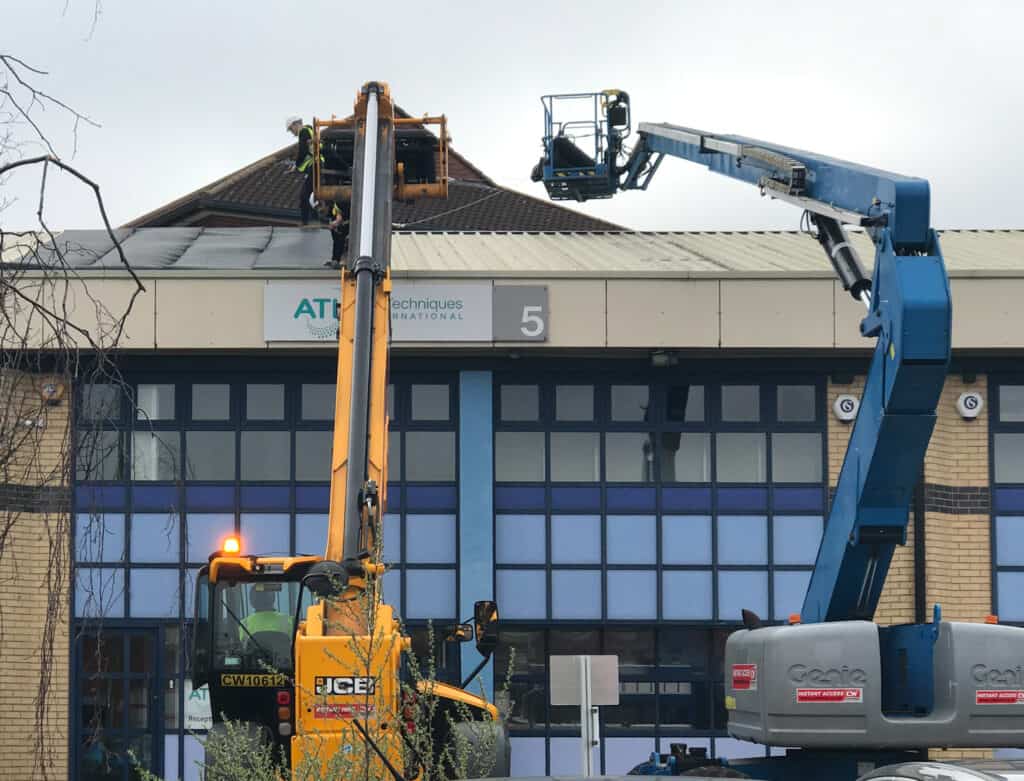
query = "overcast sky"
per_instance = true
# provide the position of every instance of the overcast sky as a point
(189, 90)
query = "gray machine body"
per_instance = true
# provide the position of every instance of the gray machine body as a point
(820, 686)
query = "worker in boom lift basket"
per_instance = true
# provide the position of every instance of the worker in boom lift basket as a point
(339, 225)
(303, 163)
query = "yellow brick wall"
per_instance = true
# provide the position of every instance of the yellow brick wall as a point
(896, 605)
(958, 553)
(958, 571)
(957, 574)
(34, 587)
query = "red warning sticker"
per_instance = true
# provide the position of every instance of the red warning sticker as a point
(331, 711)
(744, 677)
(999, 697)
(830, 695)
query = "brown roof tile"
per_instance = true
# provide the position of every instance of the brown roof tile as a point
(266, 192)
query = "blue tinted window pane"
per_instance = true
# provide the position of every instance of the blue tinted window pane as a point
(190, 591)
(430, 539)
(796, 538)
(205, 532)
(311, 533)
(632, 539)
(154, 593)
(575, 594)
(519, 539)
(1011, 595)
(797, 499)
(692, 500)
(265, 497)
(686, 539)
(155, 497)
(632, 594)
(741, 500)
(742, 539)
(627, 498)
(392, 524)
(92, 498)
(520, 497)
(393, 589)
(790, 590)
(1009, 540)
(571, 498)
(266, 533)
(155, 537)
(575, 539)
(686, 596)
(318, 497)
(209, 497)
(99, 593)
(522, 593)
(430, 498)
(739, 590)
(430, 593)
(1004, 499)
(99, 537)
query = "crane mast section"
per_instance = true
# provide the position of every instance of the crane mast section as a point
(358, 465)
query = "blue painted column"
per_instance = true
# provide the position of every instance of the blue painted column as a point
(476, 507)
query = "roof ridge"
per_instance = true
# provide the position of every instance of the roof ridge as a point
(205, 190)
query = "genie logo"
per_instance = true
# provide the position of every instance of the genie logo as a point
(828, 676)
(998, 677)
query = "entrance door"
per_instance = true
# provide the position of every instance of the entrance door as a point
(118, 703)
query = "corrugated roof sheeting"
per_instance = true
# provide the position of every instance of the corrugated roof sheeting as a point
(615, 254)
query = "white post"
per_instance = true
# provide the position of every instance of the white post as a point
(587, 735)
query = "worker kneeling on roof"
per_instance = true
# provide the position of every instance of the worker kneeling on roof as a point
(265, 616)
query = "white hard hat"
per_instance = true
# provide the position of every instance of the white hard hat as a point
(291, 121)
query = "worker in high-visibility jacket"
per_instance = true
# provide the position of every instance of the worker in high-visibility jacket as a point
(339, 225)
(265, 616)
(303, 164)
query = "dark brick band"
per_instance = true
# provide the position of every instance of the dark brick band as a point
(950, 499)
(34, 498)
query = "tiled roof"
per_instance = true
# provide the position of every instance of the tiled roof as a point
(606, 255)
(266, 193)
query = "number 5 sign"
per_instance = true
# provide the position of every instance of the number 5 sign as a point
(520, 313)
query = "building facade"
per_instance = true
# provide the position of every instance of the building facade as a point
(659, 459)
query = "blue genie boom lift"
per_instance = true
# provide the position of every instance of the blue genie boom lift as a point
(840, 692)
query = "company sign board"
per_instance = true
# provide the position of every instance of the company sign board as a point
(465, 311)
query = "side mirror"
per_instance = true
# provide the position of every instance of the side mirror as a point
(485, 621)
(459, 633)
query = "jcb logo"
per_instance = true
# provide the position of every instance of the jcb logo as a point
(343, 685)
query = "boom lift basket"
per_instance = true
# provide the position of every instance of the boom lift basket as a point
(421, 158)
(583, 136)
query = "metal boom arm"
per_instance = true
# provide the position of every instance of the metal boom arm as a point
(909, 314)
(907, 298)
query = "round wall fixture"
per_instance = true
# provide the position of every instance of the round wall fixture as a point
(845, 407)
(969, 405)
